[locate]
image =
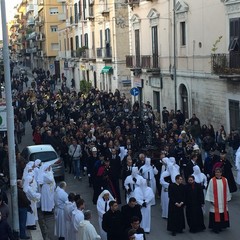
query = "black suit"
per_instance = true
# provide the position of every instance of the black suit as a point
(129, 212)
(112, 224)
(115, 165)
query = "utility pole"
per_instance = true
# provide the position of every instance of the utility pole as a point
(10, 124)
(174, 56)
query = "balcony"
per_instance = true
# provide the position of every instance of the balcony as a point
(40, 37)
(30, 22)
(31, 50)
(149, 62)
(105, 53)
(62, 16)
(31, 36)
(226, 64)
(133, 3)
(30, 8)
(90, 14)
(39, 22)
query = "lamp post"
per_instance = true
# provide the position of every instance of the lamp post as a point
(10, 123)
(174, 56)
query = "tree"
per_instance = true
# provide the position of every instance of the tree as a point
(85, 86)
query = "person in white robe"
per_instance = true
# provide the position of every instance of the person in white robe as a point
(148, 172)
(144, 196)
(33, 197)
(77, 217)
(200, 177)
(69, 207)
(173, 169)
(86, 230)
(28, 168)
(164, 192)
(36, 171)
(60, 198)
(131, 182)
(47, 189)
(218, 194)
(237, 164)
(102, 207)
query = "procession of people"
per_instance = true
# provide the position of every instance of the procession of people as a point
(129, 156)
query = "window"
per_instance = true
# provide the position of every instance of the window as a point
(54, 46)
(54, 28)
(101, 40)
(234, 114)
(137, 47)
(93, 40)
(76, 13)
(183, 33)
(233, 46)
(79, 9)
(77, 42)
(155, 47)
(53, 11)
(86, 40)
(234, 34)
(107, 37)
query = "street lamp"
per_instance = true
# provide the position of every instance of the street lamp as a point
(174, 56)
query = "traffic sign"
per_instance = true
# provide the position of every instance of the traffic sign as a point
(134, 91)
(51, 66)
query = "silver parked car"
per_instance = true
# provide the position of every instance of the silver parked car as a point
(46, 153)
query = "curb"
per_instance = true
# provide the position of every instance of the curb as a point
(36, 234)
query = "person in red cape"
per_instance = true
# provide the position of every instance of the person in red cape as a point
(218, 195)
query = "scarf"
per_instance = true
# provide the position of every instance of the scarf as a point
(215, 193)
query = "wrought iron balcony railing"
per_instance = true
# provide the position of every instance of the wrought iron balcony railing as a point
(142, 61)
(223, 63)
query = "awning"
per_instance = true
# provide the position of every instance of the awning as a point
(107, 69)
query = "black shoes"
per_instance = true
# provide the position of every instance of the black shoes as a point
(33, 227)
(26, 237)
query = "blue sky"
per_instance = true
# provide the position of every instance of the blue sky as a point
(10, 4)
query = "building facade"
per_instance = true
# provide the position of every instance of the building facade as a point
(206, 50)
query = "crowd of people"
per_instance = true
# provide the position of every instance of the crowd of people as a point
(128, 154)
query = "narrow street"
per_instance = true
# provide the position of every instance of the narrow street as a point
(159, 225)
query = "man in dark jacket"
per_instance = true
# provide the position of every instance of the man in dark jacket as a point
(23, 208)
(135, 225)
(112, 222)
(130, 210)
(5, 230)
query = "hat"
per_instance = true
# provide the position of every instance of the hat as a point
(195, 147)
(94, 149)
(223, 151)
(183, 132)
(164, 108)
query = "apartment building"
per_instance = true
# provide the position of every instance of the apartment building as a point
(17, 33)
(206, 50)
(94, 43)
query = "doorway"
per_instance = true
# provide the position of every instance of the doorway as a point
(184, 100)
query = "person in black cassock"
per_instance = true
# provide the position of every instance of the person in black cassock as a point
(112, 222)
(176, 193)
(130, 210)
(226, 167)
(194, 202)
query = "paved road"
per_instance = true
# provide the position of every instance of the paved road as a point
(158, 228)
